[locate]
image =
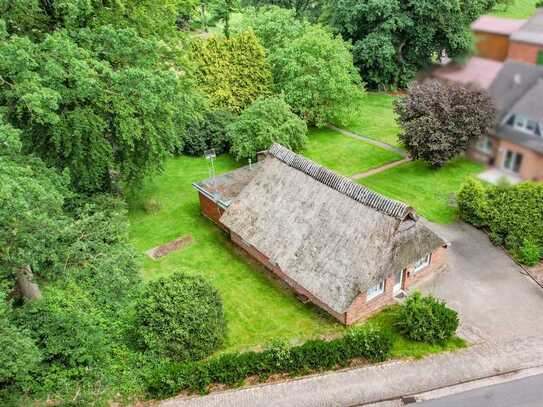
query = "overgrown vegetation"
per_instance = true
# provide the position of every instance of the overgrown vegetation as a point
(439, 120)
(512, 215)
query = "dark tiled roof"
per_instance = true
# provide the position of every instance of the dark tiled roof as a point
(532, 30)
(532, 142)
(341, 184)
(531, 104)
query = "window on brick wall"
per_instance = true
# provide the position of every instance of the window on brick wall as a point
(375, 290)
(422, 263)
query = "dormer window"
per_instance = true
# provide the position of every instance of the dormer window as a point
(524, 124)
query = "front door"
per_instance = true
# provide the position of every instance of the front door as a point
(398, 280)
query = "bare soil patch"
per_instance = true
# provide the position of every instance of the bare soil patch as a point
(537, 273)
(165, 249)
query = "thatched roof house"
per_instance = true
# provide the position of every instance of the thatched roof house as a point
(329, 238)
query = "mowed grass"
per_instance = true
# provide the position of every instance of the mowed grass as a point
(258, 310)
(516, 9)
(345, 155)
(373, 118)
(427, 190)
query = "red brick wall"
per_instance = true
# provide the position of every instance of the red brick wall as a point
(531, 167)
(437, 261)
(524, 52)
(210, 209)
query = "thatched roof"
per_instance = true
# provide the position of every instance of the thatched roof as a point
(333, 237)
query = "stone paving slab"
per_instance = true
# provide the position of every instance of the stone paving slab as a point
(383, 382)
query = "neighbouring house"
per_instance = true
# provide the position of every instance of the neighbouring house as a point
(493, 36)
(342, 246)
(515, 146)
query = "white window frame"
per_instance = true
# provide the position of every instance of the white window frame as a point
(421, 264)
(485, 145)
(375, 291)
(515, 155)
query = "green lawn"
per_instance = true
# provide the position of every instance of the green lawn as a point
(257, 309)
(374, 118)
(427, 190)
(517, 9)
(345, 155)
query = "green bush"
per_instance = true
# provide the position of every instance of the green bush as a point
(512, 215)
(208, 132)
(19, 354)
(472, 202)
(232, 72)
(231, 369)
(266, 121)
(426, 319)
(180, 317)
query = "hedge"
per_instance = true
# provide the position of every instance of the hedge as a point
(512, 215)
(168, 379)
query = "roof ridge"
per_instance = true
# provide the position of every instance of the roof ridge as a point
(342, 184)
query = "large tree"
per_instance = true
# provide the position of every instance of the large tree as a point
(99, 102)
(394, 39)
(440, 120)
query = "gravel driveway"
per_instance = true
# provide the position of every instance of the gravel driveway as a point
(493, 296)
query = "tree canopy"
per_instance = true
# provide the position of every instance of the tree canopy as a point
(441, 120)
(394, 39)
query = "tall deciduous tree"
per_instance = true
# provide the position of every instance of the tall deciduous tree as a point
(99, 102)
(441, 120)
(394, 39)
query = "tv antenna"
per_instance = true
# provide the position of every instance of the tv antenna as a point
(210, 156)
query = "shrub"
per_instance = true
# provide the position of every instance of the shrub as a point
(513, 215)
(266, 121)
(19, 354)
(472, 201)
(529, 253)
(180, 317)
(208, 132)
(440, 120)
(426, 319)
(233, 71)
(370, 343)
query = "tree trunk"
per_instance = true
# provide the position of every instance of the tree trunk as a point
(26, 285)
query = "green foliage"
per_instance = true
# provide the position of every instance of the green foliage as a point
(97, 110)
(394, 39)
(441, 120)
(302, 8)
(180, 317)
(513, 215)
(208, 132)
(266, 121)
(311, 68)
(233, 71)
(427, 319)
(19, 356)
(231, 369)
(315, 72)
(472, 202)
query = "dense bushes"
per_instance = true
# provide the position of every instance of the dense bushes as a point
(180, 317)
(266, 121)
(314, 355)
(208, 132)
(426, 319)
(233, 71)
(513, 215)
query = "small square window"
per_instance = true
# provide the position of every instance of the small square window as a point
(375, 290)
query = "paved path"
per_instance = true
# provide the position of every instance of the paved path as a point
(380, 169)
(377, 143)
(381, 382)
(519, 393)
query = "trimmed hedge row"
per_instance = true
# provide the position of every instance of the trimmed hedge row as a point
(230, 369)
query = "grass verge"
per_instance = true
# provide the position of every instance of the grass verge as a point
(515, 9)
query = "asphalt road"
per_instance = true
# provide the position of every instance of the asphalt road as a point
(519, 393)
